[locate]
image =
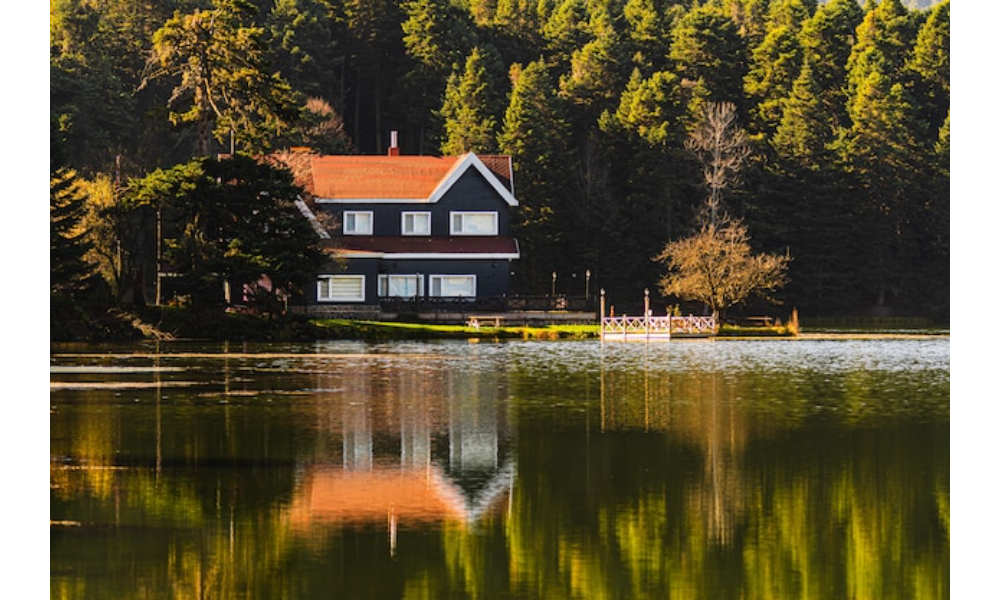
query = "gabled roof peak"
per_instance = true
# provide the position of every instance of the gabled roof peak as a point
(403, 178)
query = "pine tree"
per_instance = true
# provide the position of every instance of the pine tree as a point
(827, 38)
(438, 34)
(596, 77)
(374, 46)
(775, 63)
(884, 39)
(70, 275)
(931, 65)
(222, 82)
(301, 46)
(567, 29)
(649, 32)
(806, 129)
(885, 145)
(535, 133)
(750, 17)
(645, 131)
(230, 221)
(708, 49)
(470, 106)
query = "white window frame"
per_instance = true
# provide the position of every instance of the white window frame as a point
(353, 229)
(457, 222)
(413, 215)
(435, 281)
(384, 282)
(328, 294)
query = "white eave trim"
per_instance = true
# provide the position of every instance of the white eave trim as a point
(429, 255)
(308, 214)
(465, 162)
(452, 256)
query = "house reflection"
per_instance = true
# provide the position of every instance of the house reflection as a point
(417, 444)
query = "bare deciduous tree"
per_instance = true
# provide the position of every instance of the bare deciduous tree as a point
(721, 147)
(716, 266)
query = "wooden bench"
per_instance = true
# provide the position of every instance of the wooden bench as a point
(484, 321)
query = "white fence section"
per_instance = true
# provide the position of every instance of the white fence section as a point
(650, 328)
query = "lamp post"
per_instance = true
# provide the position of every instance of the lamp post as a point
(553, 284)
(586, 288)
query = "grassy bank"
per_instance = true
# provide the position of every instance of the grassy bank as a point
(70, 324)
(387, 330)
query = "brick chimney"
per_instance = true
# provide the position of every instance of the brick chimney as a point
(393, 144)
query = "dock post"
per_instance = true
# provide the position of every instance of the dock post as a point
(645, 312)
(601, 321)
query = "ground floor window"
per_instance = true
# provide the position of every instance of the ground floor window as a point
(400, 286)
(341, 288)
(453, 286)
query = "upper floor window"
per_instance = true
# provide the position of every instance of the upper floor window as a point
(474, 223)
(358, 222)
(416, 223)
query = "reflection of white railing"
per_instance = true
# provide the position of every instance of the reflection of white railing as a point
(643, 328)
(692, 325)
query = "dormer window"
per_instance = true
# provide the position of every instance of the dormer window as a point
(474, 223)
(357, 222)
(416, 223)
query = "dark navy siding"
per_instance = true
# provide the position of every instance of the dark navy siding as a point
(470, 193)
(492, 276)
(361, 266)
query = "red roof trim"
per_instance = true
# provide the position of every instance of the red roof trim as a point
(458, 246)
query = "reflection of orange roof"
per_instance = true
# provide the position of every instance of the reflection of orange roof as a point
(331, 494)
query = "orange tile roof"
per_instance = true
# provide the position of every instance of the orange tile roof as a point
(395, 177)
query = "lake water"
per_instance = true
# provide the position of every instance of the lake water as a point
(807, 469)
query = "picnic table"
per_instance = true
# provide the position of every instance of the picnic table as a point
(479, 321)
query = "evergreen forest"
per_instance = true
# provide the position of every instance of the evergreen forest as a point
(845, 106)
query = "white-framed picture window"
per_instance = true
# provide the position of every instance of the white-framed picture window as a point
(340, 288)
(416, 223)
(474, 223)
(451, 286)
(400, 286)
(358, 222)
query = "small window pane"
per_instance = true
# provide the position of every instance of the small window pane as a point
(399, 286)
(357, 223)
(474, 223)
(453, 286)
(341, 288)
(417, 223)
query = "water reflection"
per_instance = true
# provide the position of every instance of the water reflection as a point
(418, 446)
(527, 470)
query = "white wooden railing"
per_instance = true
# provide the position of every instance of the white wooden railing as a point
(639, 328)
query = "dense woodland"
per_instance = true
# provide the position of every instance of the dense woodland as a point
(845, 106)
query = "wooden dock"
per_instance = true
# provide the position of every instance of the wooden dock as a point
(655, 328)
(649, 328)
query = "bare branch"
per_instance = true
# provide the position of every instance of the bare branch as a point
(721, 147)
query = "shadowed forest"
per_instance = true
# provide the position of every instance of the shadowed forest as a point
(845, 106)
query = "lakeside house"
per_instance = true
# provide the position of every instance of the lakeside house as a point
(405, 232)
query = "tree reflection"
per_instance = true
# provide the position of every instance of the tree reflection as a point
(471, 479)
